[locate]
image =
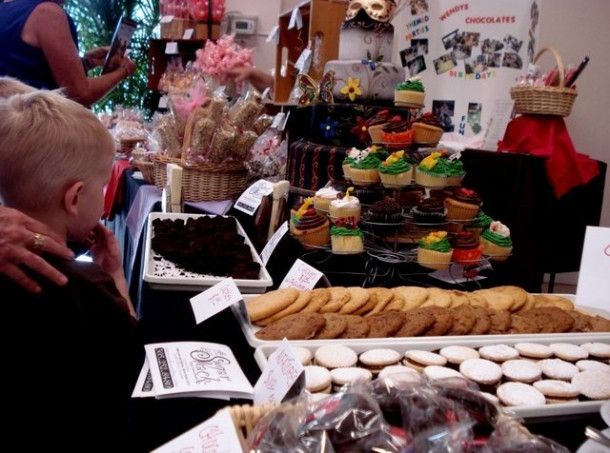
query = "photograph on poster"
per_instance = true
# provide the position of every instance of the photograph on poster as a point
(418, 7)
(512, 60)
(477, 64)
(444, 111)
(416, 65)
(495, 60)
(461, 52)
(475, 110)
(491, 45)
(421, 45)
(444, 63)
(450, 39)
(513, 43)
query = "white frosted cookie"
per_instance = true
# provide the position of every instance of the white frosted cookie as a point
(378, 358)
(493, 398)
(520, 394)
(335, 356)
(399, 372)
(521, 370)
(349, 375)
(457, 354)
(481, 371)
(434, 372)
(420, 359)
(584, 365)
(597, 349)
(557, 391)
(534, 350)
(498, 352)
(593, 384)
(303, 354)
(568, 351)
(317, 379)
(558, 369)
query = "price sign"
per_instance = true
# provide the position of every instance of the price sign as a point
(215, 299)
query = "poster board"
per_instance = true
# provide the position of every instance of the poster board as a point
(120, 41)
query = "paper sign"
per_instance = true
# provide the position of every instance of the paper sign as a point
(593, 289)
(301, 276)
(171, 48)
(166, 19)
(250, 200)
(163, 101)
(457, 273)
(188, 33)
(144, 387)
(500, 117)
(273, 242)
(282, 371)
(295, 19)
(215, 299)
(274, 35)
(304, 61)
(215, 435)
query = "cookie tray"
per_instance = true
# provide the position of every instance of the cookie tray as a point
(261, 354)
(250, 330)
(162, 274)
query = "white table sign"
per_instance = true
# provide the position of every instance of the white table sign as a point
(215, 435)
(251, 198)
(593, 289)
(215, 299)
(301, 276)
(273, 242)
(282, 371)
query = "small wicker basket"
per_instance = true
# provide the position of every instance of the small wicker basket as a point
(160, 169)
(545, 100)
(246, 416)
(213, 182)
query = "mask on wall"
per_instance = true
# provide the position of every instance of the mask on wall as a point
(379, 10)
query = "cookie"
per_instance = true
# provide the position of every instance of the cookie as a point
(558, 369)
(317, 379)
(523, 324)
(371, 303)
(420, 359)
(303, 354)
(521, 370)
(463, 320)
(594, 384)
(398, 372)
(550, 319)
(397, 302)
(339, 295)
(457, 354)
(385, 324)
(378, 358)
(319, 298)
(500, 321)
(553, 300)
(495, 299)
(269, 303)
(443, 319)
(437, 297)
(518, 294)
(557, 391)
(584, 365)
(481, 371)
(335, 356)
(458, 298)
(582, 321)
(476, 300)
(415, 322)
(382, 297)
(568, 351)
(498, 352)
(298, 326)
(482, 323)
(533, 350)
(335, 325)
(434, 372)
(349, 375)
(599, 324)
(597, 349)
(301, 301)
(518, 394)
(413, 296)
(358, 297)
(357, 327)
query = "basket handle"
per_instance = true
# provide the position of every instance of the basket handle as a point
(559, 61)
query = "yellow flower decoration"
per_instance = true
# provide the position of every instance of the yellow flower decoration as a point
(434, 237)
(430, 161)
(395, 156)
(352, 89)
(305, 206)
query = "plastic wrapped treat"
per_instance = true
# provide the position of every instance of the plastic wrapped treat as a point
(222, 145)
(166, 134)
(244, 113)
(268, 155)
(241, 147)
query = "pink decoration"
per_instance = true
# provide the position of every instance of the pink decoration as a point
(199, 9)
(216, 59)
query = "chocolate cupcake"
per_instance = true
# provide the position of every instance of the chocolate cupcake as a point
(429, 210)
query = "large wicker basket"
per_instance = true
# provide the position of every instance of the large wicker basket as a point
(160, 169)
(213, 182)
(545, 100)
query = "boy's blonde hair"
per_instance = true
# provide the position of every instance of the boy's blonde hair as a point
(47, 142)
(10, 86)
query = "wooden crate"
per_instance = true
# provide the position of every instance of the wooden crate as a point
(201, 30)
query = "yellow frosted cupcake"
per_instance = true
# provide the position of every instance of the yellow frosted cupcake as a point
(434, 251)
(395, 171)
(430, 172)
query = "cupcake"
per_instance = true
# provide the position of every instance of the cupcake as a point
(431, 172)
(496, 241)
(466, 248)
(347, 206)
(364, 171)
(427, 129)
(350, 157)
(323, 197)
(310, 227)
(395, 171)
(346, 237)
(397, 133)
(410, 94)
(429, 210)
(480, 222)
(376, 123)
(434, 251)
(386, 210)
(462, 204)
(455, 170)
(410, 195)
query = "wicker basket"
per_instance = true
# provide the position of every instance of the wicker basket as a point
(160, 169)
(246, 416)
(545, 100)
(213, 182)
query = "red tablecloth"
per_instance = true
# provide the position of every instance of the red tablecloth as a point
(548, 136)
(113, 192)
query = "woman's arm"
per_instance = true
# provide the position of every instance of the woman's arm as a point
(47, 28)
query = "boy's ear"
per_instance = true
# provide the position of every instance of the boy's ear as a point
(72, 197)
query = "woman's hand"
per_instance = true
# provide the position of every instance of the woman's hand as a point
(22, 239)
(96, 57)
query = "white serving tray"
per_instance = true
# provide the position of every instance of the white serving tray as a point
(250, 330)
(162, 274)
(402, 345)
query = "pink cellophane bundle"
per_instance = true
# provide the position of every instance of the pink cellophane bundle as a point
(217, 58)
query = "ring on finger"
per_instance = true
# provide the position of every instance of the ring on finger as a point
(38, 241)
